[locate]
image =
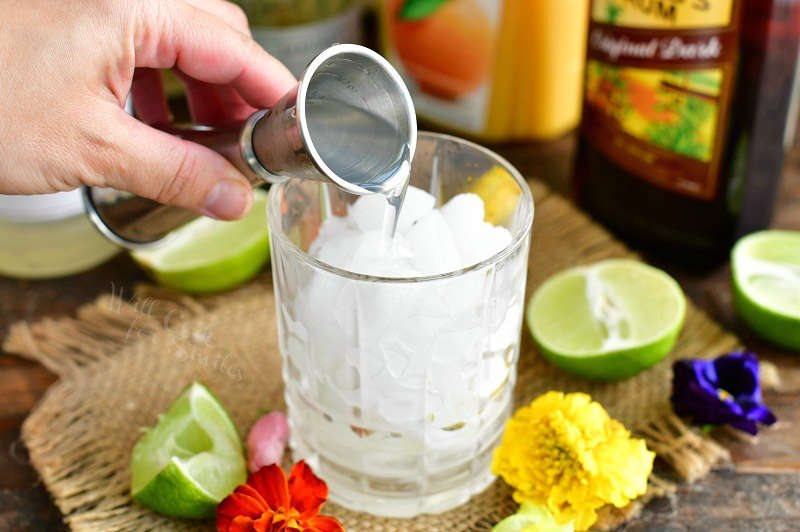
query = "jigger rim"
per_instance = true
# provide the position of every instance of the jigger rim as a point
(305, 133)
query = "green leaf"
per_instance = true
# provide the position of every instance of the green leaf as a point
(612, 12)
(419, 9)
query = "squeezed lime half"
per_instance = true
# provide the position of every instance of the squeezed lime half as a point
(609, 320)
(765, 270)
(191, 460)
(209, 255)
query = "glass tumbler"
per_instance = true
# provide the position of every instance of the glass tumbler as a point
(398, 389)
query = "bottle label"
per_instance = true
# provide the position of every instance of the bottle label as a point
(659, 81)
(445, 52)
(295, 46)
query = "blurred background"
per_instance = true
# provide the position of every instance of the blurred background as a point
(674, 127)
(678, 156)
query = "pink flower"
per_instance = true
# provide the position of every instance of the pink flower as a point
(267, 441)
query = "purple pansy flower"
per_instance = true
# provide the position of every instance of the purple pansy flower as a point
(719, 391)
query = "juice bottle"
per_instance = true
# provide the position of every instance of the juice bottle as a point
(491, 69)
(686, 107)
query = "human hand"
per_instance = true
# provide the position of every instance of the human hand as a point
(67, 67)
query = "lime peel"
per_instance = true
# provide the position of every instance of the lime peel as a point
(191, 460)
(209, 255)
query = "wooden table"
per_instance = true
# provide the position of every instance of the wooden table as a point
(763, 493)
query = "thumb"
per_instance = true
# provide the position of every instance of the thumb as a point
(159, 166)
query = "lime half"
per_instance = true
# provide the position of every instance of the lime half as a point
(609, 320)
(209, 255)
(765, 267)
(531, 518)
(191, 460)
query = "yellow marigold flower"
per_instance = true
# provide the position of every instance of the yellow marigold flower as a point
(566, 453)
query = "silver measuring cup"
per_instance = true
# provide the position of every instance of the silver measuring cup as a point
(349, 120)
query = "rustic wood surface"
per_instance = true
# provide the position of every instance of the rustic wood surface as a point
(763, 493)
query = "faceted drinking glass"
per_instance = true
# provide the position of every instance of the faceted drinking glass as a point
(398, 389)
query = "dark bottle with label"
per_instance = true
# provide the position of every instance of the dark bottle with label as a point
(685, 112)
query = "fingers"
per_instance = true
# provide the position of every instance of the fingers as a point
(227, 76)
(227, 11)
(162, 167)
(193, 40)
(208, 103)
(215, 104)
(148, 96)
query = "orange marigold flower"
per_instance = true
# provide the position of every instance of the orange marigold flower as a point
(270, 503)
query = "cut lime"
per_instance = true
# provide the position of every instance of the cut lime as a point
(531, 518)
(191, 460)
(609, 320)
(765, 268)
(210, 255)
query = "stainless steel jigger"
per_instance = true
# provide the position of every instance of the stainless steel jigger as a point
(349, 120)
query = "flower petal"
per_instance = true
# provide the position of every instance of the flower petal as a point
(738, 375)
(270, 482)
(744, 425)
(695, 396)
(308, 492)
(323, 523)
(239, 523)
(264, 524)
(725, 390)
(237, 504)
(761, 413)
(267, 440)
(250, 491)
(625, 465)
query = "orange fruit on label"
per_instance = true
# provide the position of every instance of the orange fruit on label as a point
(449, 52)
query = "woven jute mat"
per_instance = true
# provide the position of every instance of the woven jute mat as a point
(121, 362)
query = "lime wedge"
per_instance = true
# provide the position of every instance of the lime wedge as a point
(209, 255)
(531, 518)
(609, 320)
(765, 268)
(191, 460)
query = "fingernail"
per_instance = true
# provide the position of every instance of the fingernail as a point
(228, 200)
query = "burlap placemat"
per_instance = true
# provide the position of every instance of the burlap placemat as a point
(122, 361)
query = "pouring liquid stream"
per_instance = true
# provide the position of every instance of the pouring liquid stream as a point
(394, 196)
(337, 128)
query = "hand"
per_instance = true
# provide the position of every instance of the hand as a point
(67, 67)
